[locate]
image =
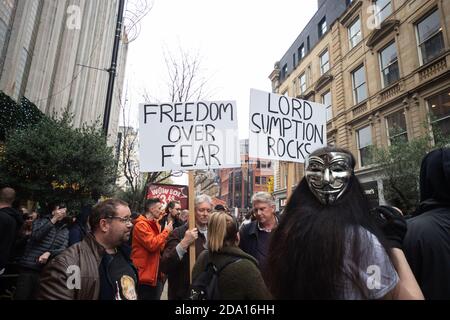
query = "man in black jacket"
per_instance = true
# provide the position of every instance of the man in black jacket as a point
(10, 222)
(427, 241)
(49, 237)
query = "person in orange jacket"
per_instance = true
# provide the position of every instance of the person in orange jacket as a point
(147, 244)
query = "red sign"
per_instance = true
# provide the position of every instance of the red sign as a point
(169, 192)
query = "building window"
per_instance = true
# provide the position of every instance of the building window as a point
(284, 71)
(383, 10)
(302, 83)
(389, 65)
(364, 143)
(301, 52)
(293, 60)
(309, 74)
(263, 180)
(322, 27)
(359, 84)
(257, 180)
(326, 100)
(429, 37)
(396, 127)
(354, 33)
(439, 109)
(324, 62)
(308, 47)
(263, 164)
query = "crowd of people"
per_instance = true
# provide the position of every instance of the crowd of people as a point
(326, 244)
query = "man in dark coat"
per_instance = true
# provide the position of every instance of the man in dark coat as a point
(255, 236)
(10, 222)
(427, 242)
(175, 259)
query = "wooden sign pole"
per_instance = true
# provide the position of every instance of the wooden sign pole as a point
(290, 180)
(191, 221)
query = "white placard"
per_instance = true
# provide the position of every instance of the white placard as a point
(188, 136)
(285, 128)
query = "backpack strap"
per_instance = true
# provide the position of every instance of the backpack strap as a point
(220, 267)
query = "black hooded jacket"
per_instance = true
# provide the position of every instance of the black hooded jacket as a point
(10, 222)
(427, 242)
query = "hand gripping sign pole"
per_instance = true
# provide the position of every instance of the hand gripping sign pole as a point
(191, 221)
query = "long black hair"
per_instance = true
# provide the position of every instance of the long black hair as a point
(307, 248)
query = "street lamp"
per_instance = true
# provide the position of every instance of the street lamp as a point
(112, 69)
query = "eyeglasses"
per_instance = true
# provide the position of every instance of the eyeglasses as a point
(124, 220)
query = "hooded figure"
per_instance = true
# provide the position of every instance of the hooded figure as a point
(328, 244)
(10, 223)
(427, 242)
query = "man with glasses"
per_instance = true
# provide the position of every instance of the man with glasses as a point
(98, 267)
(148, 243)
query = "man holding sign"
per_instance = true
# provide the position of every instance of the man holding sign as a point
(175, 258)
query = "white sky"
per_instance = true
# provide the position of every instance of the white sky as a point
(238, 41)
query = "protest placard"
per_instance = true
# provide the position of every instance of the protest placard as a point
(285, 128)
(188, 136)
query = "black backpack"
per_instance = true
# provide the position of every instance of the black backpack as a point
(206, 285)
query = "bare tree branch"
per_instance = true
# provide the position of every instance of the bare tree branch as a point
(135, 11)
(185, 80)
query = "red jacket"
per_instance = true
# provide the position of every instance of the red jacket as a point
(147, 244)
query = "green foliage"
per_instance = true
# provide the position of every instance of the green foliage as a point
(52, 161)
(16, 116)
(400, 168)
(135, 199)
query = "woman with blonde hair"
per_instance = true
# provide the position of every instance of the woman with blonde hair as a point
(240, 278)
